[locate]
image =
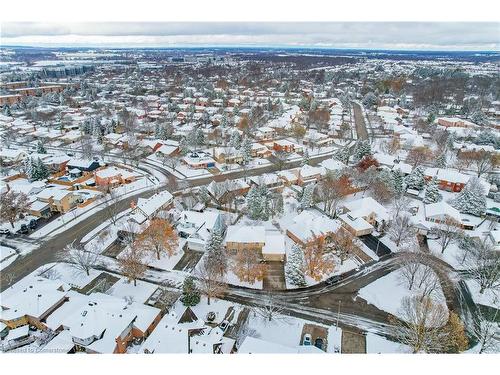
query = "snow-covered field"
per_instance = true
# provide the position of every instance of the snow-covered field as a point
(387, 293)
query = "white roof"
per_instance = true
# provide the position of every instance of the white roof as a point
(332, 164)
(447, 175)
(246, 234)
(151, 205)
(18, 332)
(365, 206)
(440, 209)
(312, 223)
(275, 243)
(357, 223)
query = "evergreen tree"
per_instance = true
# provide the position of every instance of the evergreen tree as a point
(415, 180)
(28, 167)
(279, 205)
(190, 294)
(398, 183)
(214, 248)
(305, 158)
(432, 194)
(307, 197)
(343, 155)
(294, 267)
(40, 149)
(235, 140)
(471, 200)
(441, 161)
(40, 170)
(361, 149)
(246, 150)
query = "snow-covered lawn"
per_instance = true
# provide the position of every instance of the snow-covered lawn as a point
(451, 254)
(139, 293)
(388, 292)
(69, 274)
(489, 297)
(7, 256)
(167, 262)
(381, 345)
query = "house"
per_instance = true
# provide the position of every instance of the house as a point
(239, 237)
(197, 227)
(9, 155)
(271, 180)
(357, 226)
(265, 133)
(455, 122)
(60, 200)
(221, 190)
(102, 323)
(368, 209)
(308, 174)
(113, 176)
(31, 300)
(333, 165)
(40, 209)
(448, 179)
(310, 224)
(199, 160)
(440, 212)
(148, 208)
(269, 244)
(260, 151)
(284, 145)
(85, 165)
(228, 155)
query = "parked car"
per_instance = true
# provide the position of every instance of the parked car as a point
(24, 229)
(332, 280)
(307, 340)
(211, 316)
(32, 224)
(223, 326)
(318, 343)
(5, 231)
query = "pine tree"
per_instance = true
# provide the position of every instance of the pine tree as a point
(235, 140)
(246, 150)
(40, 149)
(361, 149)
(307, 197)
(398, 184)
(294, 267)
(28, 167)
(214, 248)
(305, 158)
(471, 200)
(343, 155)
(40, 171)
(432, 194)
(253, 204)
(415, 180)
(190, 294)
(441, 161)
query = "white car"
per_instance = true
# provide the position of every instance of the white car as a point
(307, 340)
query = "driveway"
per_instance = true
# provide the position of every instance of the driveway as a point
(188, 261)
(353, 342)
(275, 276)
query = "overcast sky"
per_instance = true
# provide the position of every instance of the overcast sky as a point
(372, 35)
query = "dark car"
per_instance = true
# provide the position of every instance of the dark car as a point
(318, 343)
(5, 231)
(24, 229)
(32, 224)
(333, 280)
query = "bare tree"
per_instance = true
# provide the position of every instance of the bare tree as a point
(483, 265)
(447, 232)
(410, 268)
(210, 281)
(401, 231)
(485, 330)
(421, 325)
(12, 205)
(110, 201)
(270, 309)
(400, 204)
(131, 263)
(79, 258)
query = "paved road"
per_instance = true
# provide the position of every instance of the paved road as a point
(359, 121)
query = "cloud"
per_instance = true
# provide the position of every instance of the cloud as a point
(413, 35)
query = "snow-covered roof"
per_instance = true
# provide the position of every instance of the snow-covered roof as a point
(311, 223)
(275, 243)
(441, 209)
(246, 234)
(365, 206)
(332, 164)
